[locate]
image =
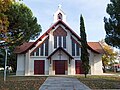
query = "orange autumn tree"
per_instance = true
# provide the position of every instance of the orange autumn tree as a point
(109, 57)
(4, 23)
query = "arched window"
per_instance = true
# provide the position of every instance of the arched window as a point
(60, 16)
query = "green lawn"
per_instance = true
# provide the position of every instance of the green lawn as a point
(33, 83)
(21, 83)
(101, 82)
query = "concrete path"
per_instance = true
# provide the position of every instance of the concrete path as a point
(63, 83)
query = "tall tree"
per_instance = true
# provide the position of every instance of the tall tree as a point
(84, 52)
(112, 24)
(22, 27)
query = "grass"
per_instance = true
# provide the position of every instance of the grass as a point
(101, 82)
(21, 83)
(34, 82)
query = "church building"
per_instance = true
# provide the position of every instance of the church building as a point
(57, 52)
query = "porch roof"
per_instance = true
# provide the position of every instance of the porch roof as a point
(59, 48)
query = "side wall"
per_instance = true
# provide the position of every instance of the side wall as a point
(95, 63)
(98, 64)
(20, 64)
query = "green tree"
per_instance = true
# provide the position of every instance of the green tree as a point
(112, 24)
(109, 57)
(84, 52)
(22, 27)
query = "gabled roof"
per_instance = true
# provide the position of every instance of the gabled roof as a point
(23, 48)
(96, 46)
(59, 48)
(53, 26)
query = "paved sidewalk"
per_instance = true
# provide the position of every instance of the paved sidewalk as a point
(63, 83)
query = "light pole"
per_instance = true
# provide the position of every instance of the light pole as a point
(5, 60)
(5, 63)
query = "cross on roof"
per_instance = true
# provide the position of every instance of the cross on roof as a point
(59, 6)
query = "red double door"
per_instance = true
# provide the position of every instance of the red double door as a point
(78, 67)
(60, 67)
(39, 67)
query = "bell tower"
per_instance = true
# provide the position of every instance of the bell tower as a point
(59, 15)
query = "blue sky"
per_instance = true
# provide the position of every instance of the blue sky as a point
(93, 12)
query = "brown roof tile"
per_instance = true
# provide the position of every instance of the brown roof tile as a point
(96, 47)
(23, 48)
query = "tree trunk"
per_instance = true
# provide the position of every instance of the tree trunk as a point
(85, 75)
(104, 70)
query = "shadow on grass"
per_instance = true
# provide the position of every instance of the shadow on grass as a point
(101, 82)
(21, 83)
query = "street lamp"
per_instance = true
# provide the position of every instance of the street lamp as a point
(5, 60)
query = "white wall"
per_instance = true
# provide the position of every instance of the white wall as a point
(95, 61)
(20, 64)
(98, 64)
(63, 56)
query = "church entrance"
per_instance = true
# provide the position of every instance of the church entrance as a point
(60, 67)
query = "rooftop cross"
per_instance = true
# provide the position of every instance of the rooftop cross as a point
(59, 6)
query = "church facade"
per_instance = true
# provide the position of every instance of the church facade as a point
(57, 52)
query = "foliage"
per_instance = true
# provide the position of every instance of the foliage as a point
(109, 57)
(2, 53)
(112, 24)
(22, 27)
(84, 52)
(4, 23)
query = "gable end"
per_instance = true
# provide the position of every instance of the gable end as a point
(59, 32)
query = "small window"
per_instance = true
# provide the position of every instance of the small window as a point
(46, 47)
(60, 41)
(60, 16)
(42, 50)
(64, 41)
(73, 48)
(55, 41)
(37, 52)
(77, 50)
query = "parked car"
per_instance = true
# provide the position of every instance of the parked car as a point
(1, 68)
(117, 67)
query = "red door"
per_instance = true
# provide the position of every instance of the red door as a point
(78, 67)
(60, 67)
(39, 67)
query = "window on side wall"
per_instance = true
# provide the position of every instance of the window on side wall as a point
(42, 50)
(73, 48)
